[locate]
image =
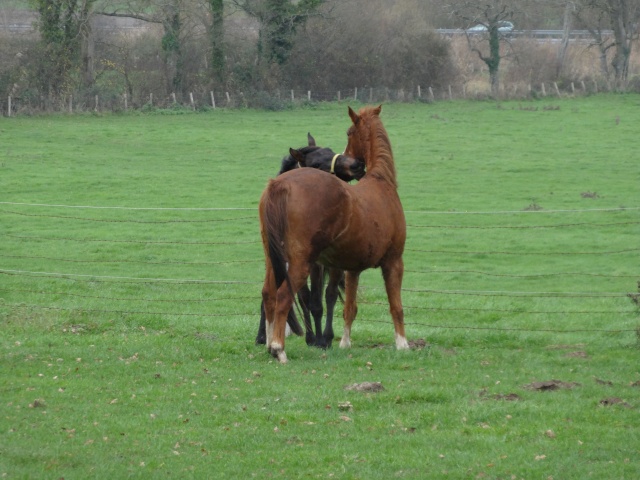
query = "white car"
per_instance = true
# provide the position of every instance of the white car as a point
(504, 28)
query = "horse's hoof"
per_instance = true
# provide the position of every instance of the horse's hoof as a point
(401, 343)
(261, 340)
(277, 351)
(282, 357)
(311, 340)
(321, 343)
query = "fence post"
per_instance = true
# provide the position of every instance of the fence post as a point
(213, 100)
(355, 94)
(584, 87)
(338, 95)
(450, 93)
(309, 95)
(431, 95)
(292, 96)
(370, 94)
(555, 86)
(151, 99)
(544, 92)
(193, 104)
(126, 103)
(96, 109)
(573, 89)
(419, 92)
(228, 97)
(9, 107)
(70, 103)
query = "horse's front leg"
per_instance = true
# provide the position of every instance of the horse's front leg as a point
(392, 273)
(350, 306)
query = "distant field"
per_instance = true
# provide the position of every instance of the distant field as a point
(130, 277)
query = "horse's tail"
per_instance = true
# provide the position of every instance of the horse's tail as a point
(274, 226)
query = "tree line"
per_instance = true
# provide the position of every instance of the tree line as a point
(266, 45)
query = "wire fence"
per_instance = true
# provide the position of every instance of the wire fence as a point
(208, 263)
(281, 99)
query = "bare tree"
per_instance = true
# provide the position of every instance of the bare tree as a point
(490, 14)
(621, 17)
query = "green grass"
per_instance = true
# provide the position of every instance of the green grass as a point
(126, 334)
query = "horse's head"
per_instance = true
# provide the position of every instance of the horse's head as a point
(344, 167)
(358, 142)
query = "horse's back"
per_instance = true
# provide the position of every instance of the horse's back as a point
(315, 203)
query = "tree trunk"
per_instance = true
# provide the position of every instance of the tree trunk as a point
(171, 47)
(217, 41)
(87, 44)
(604, 66)
(566, 30)
(493, 61)
(621, 23)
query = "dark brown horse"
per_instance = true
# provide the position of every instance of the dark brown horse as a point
(310, 299)
(307, 216)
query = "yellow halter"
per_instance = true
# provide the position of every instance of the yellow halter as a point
(333, 164)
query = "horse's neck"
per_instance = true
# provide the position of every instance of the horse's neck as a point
(381, 164)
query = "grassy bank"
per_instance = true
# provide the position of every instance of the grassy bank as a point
(130, 277)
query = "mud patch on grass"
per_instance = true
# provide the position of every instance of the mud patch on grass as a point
(550, 385)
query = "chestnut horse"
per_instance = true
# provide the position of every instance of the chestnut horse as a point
(310, 299)
(308, 216)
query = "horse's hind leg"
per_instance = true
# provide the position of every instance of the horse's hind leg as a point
(331, 297)
(350, 306)
(392, 273)
(261, 338)
(306, 300)
(315, 304)
(284, 297)
(268, 304)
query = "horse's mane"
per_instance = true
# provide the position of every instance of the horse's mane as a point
(379, 163)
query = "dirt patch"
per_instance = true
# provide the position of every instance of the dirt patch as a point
(589, 195)
(372, 387)
(604, 382)
(549, 385)
(566, 347)
(577, 355)
(509, 397)
(607, 402)
(418, 344)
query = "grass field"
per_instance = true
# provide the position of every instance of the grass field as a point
(130, 278)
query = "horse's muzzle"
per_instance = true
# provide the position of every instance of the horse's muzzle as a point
(356, 168)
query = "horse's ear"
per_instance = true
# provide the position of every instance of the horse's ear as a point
(354, 116)
(311, 140)
(299, 157)
(377, 110)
